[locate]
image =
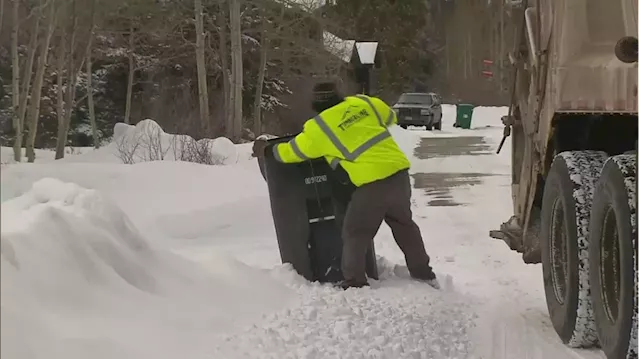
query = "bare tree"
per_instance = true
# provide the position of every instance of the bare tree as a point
(236, 67)
(203, 93)
(61, 56)
(89, 69)
(132, 71)
(21, 91)
(1, 14)
(262, 69)
(15, 64)
(73, 71)
(34, 105)
(224, 64)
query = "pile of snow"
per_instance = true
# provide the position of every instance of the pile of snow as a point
(79, 281)
(147, 141)
(151, 189)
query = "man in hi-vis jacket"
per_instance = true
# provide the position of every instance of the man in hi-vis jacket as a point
(352, 134)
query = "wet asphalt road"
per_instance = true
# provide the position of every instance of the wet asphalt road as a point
(438, 185)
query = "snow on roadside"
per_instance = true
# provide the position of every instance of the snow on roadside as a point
(79, 281)
(147, 190)
(146, 141)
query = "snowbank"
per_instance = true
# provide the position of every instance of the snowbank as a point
(150, 189)
(79, 281)
(147, 141)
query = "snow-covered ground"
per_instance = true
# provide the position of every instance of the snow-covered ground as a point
(172, 259)
(143, 142)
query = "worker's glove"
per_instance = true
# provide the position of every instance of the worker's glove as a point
(258, 147)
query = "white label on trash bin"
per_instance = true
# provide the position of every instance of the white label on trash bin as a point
(315, 179)
(320, 219)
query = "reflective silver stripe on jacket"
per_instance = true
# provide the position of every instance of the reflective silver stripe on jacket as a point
(296, 149)
(276, 154)
(350, 156)
(390, 118)
(334, 163)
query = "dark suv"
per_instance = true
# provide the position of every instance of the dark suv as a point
(419, 109)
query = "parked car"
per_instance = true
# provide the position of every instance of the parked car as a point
(419, 109)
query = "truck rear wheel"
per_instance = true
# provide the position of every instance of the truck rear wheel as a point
(564, 244)
(613, 258)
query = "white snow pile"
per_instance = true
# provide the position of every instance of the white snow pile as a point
(79, 281)
(146, 141)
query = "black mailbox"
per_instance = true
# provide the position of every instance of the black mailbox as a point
(308, 217)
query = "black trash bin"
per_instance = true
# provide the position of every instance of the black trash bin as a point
(308, 217)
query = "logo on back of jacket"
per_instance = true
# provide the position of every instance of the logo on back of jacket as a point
(349, 118)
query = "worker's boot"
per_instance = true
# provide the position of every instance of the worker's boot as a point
(346, 284)
(427, 277)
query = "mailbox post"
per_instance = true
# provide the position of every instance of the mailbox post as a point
(365, 59)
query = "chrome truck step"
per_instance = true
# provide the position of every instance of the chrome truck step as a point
(512, 234)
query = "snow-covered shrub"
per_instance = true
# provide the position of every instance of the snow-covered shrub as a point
(146, 141)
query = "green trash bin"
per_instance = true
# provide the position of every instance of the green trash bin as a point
(463, 116)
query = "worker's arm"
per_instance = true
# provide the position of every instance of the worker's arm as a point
(305, 146)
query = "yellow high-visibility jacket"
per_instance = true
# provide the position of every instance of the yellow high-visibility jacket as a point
(352, 134)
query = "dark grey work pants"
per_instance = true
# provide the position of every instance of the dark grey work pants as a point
(388, 199)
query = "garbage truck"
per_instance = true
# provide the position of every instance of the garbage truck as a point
(573, 123)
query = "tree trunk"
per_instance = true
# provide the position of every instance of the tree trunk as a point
(203, 93)
(224, 56)
(15, 83)
(34, 105)
(236, 65)
(257, 106)
(61, 56)
(28, 71)
(89, 70)
(72, 79)
(90, 104)
(132, 70)
(1, 14)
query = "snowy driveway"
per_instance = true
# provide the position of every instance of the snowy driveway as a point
(169, 260)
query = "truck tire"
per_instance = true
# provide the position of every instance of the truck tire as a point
(613, 261)
(566, 206)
